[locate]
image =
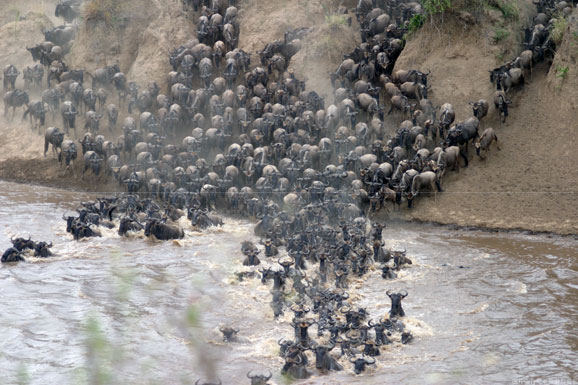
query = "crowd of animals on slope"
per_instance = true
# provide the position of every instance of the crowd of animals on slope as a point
(264, 147)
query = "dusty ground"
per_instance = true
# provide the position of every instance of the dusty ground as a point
(528, 185)
(322, 49)
(138, 39)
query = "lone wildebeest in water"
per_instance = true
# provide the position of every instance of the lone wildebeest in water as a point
(396, 309)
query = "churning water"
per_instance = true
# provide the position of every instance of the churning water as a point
(483, 307)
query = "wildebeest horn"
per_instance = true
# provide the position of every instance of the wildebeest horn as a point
(295, 361)
(370, 323)
(404, 295)
(270, 375)
(49, 245)
(370, 363)
(350, 360)
(388, 293)
(249, 375)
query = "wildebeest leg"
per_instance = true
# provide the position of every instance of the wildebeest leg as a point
(465, 159)
(439, 186)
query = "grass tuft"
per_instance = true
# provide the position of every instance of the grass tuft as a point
(104, 11)
(560, 26)
(334, 20)
(500, 34)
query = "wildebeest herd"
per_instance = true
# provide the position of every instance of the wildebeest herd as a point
(260, 145)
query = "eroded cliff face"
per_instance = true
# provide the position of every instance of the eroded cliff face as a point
(528, 184)
(138, 38)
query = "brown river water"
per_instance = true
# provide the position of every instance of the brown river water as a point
(485, 308)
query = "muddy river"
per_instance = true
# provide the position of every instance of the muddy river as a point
(483, 307)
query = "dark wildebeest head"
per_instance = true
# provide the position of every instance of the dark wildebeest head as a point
(22, 244)
(359, 364)
(259, 379)
(42, 249)
(323, 360)
(12, 255)
(396, 309)
(387, 273)
(148, 227)
(70, 221)
(406, 337)
(128, 224)
(229, 334)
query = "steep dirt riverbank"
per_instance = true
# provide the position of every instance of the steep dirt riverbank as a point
(527, 185)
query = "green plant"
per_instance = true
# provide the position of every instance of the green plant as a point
(560, 25)
(334, 20)
(433, 7)
(509, 9)
(416, 22)
(500, 34)
(22, 376)
(98, 354)
(562, 72)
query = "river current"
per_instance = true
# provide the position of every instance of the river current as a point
(485, 308)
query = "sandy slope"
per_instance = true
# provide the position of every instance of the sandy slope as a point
(530, 183)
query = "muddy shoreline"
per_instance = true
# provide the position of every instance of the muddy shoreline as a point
(46, 173)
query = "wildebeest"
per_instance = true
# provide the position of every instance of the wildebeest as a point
(480, 108)
(92, 121)
(93, 162)
(501, 102)
(68, 112)
(12, 255)
(37, 111)
(425, 179)
(323, 360)
(68, 9)
(103, 76)
(10, 74)
(259, 379)
(360, 363)
(60, 35)
(55, 137)
(42, 249)
(163, 231)
(229, 334)
(15, 99)
(68, 154)
(396, 309)
(485, 141)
